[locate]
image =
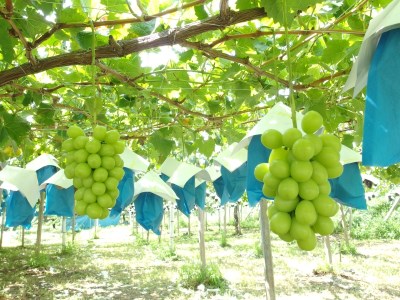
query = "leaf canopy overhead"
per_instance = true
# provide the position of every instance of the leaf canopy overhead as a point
(174, 77)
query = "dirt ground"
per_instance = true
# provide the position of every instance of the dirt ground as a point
(119, 264)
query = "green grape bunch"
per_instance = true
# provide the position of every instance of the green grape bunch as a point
(297, 177)
(96, 168)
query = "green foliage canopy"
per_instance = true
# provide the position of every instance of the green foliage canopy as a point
(174, 77)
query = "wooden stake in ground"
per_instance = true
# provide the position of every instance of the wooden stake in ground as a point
(64, 232)
(236, 218)
(3, 218)
(177, 221)
(40, 221)
(328, 251)
(225, 218)
(22, 236)
(391, 210)
(73, 227)
(345, 226)
(219, 218)
(96, 225)
(189, 231)
(201, 237)
(267, 251)
(171, 228)
(206, 219)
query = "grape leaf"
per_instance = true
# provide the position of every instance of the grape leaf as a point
(161, 144)
(246, 4)
(274, 9)
(6, 43)
(70, 15)
(31, 97)
(206, 147)
(335, 51)
(143, 28)
(45, 114)
(200, 12)
(16, 127)
(3, 136)
(85, 39)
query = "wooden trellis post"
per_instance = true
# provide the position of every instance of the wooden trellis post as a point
(73, 227)
(64, 232)
(345, 226)
(177, 221)
(171, 228)
(225, 218)
(96, 225)
(3, 221)
(189, 231)
(328, 251)
(201, 238)
(219, 218)
(3, 218)
(40, 221)
(267, 251)
(22, 236)
(391, 210)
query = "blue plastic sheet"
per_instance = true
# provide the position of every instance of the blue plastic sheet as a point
(45, 173)
(186, 195)
(201, 195)
(84, 222)
(381, 138)
(149, 211)
(59, 201)
(234, 183)
(348, 189)
(256, 154)
(126, 190)
(220, 190)
(19, 212)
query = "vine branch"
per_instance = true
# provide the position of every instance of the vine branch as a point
(144, 18)
(167, 37)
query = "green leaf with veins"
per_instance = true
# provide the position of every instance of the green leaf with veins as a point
(16, 127)
(275, 9)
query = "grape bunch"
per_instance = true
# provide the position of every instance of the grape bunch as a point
(296, 176)
(94, 165)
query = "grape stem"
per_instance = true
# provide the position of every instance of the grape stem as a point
(94, 69)
(289, 66)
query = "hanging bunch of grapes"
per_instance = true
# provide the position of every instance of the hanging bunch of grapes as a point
(96, 168)
(296, 177)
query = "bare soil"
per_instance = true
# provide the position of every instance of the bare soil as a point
(119, 264)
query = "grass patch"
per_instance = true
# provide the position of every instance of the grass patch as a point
(223, 242)
(348, 249)
(258, 251)
(371, 225)
(323, 268)
(69, 249)
(39, 260)
(140, 241)
(250, 222)
(193, 274)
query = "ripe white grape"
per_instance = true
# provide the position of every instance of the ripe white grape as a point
(296, 176)
(94, 165)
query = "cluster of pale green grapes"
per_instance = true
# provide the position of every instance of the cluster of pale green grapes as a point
(296, 176)
(96, 168)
